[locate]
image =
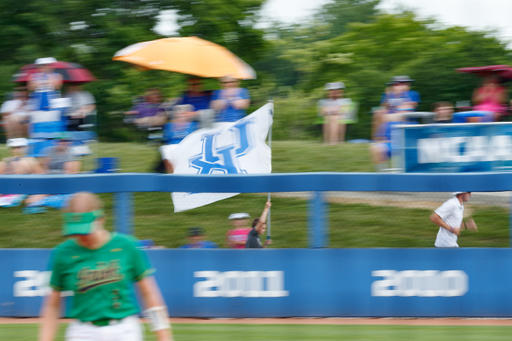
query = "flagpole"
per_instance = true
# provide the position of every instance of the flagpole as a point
(271, 102)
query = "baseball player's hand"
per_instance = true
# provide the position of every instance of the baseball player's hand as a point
(268, 242)
(456, 230)
(268, 204)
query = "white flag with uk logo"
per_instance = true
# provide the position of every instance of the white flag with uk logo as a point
(233, 148)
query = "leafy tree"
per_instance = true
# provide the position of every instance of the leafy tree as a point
(89, 32)
(85, 32)
(230, 24)
(331, 20)
(339, 13)
(369, 54)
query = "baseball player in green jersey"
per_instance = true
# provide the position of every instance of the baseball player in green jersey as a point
(100, 268)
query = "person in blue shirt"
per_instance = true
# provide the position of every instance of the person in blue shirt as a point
(401, 97)
(230, 102)
(381, 151)
(198, 98)
(196, 240)
(176, 131)
(398, 98)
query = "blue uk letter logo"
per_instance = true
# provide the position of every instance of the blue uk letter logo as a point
(224, 159)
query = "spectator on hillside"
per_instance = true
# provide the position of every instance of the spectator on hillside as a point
(444, 112)
(59, 159)
(237, 236)
(491, 97)
(401, 98)
(379, 112)
(145, 113)
(197, 240)
(231, 101)
(82, 104)
(381, 150)
(19, 162)
(45, 84)
(398, 98)
(259, 225)
(195, 96)
(175, 131)
(16, 114)
(197, 102)
(334, 110)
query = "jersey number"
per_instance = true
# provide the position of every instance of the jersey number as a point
(116, 299)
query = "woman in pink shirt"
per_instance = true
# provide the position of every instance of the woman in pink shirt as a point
(492, 97)
(237, 236)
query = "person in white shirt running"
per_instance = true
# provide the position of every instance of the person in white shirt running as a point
(449, 219)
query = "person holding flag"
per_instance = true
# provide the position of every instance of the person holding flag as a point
(259, 226)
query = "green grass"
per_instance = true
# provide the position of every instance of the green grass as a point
(351, 224)
(303, 332)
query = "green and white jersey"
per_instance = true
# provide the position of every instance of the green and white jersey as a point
(101, 279)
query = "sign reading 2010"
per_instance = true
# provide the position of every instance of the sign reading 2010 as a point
(426, 283)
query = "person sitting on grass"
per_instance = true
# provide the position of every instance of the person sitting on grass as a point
(174, 132)
(147, 113)
(15, 114)
(381, 150)
(82, 105)
(334, 110)
(196, 240)
(19, 162)
(60, 159)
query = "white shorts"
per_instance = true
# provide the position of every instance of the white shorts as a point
(127, 329)
(168, 153)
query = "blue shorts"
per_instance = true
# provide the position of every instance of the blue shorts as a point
(387, 148)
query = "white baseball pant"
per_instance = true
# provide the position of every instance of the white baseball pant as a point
(127, 329)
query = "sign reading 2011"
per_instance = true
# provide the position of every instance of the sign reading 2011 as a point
(240, 284)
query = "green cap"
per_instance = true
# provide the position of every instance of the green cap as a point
(80, 223)
(63, 136)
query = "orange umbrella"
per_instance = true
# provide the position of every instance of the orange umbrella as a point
(190, 55)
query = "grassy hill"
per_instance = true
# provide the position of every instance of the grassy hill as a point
(352, 224)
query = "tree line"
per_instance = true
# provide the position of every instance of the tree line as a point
(345, 40)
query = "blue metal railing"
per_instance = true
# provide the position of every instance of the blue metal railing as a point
(124, 183)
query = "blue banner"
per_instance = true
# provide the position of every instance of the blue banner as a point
(300, 282)
(454, 148)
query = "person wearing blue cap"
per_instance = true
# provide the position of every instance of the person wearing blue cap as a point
(100, 268)
(196, 240)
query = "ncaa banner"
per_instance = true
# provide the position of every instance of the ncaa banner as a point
(453, 148)
(233, 148)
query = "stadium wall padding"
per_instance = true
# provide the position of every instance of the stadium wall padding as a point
(466, 282)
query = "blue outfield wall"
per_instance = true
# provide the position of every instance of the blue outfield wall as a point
(300, 282)
(287, 282)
